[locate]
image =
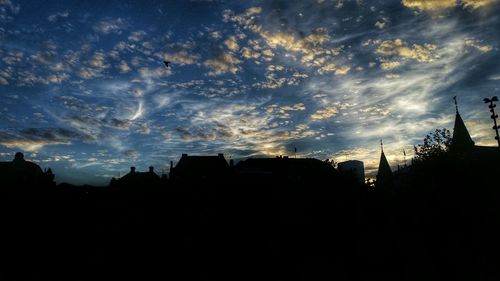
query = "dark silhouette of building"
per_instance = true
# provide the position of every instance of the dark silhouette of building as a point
(355, 168)
(462, 145)
(200, 168)
(20, 173)
(455, 169)
(284, 168)
(461, 140)
(137, 179)
(384, 174)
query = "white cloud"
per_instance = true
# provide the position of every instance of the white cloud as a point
(216, 34)
(431, 5)
(56, 16)
(439, 5)
(325, 113)
(110, 26)
(124, 68)
(98, 60)
(88, 73)
(388, 65)
(477, 44)
(475, 4)
(181, 57)
(232, 44)
(343, 70)
(224, 63)
(397, 47)
(137, 36)
(59, 78)
(283, 111)
(380, 24)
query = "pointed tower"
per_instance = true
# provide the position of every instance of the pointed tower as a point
(461, 140)
(384, 174)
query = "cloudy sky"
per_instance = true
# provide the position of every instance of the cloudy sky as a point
(83, 88)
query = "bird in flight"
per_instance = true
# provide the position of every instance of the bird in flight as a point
(167, 63)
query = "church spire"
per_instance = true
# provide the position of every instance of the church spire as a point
(384, 174)
(461, 138)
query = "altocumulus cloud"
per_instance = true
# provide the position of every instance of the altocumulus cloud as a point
(33, 139)
(249, 79)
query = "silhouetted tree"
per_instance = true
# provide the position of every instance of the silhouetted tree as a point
(331, 162)
(435, 144)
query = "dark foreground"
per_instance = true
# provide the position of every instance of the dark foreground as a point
(308, 231)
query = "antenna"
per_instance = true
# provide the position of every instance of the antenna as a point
(494, 116)
(456, 104)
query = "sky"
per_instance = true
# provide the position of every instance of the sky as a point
(84, 91)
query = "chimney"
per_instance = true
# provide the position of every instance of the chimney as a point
(286, 157)
(221, 155)
(151, 169)
(132, 169)
(231, 163)
(184, 155)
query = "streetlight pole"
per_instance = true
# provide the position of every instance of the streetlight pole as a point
(493, 116)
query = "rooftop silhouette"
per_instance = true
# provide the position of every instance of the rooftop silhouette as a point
(245, 212)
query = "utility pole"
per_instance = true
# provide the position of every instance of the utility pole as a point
(493, 116)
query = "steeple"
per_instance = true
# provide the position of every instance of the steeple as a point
(384, 169)
(461, 138)
(384, 175)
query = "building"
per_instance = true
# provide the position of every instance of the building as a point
(136, 179)
(385, 179)
(461, 140)
(20, 173)
(355, 168)
(200, 168)
(284, 168)
(467, 152)
(463, 164)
